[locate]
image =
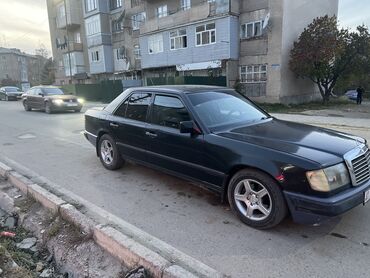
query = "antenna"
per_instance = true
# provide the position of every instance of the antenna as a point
(266, 21)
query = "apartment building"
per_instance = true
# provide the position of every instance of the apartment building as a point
(247, 42)
(20, 67)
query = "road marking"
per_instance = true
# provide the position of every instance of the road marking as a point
(26, 136)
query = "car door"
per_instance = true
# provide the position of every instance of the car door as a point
(128, 125)
(2, 94)
(172, 150)
(38, 98)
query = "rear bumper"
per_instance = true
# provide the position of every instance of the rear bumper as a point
(312, 210)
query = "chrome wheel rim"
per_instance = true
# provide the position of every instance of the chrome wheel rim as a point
(106, 152)
(253, 200)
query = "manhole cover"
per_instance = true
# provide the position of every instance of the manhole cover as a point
(26, 136)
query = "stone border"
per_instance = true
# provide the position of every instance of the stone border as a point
(124, 247)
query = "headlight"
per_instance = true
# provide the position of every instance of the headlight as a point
(81, 100)
(328, 179)
(58, 101)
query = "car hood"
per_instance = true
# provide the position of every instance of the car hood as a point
(61, 97)
(323, 146)
(13, 93)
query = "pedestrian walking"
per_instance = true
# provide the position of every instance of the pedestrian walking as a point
(360, 92)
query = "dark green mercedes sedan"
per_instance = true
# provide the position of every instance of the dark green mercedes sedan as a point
(265, 167)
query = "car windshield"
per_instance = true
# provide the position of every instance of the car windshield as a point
(12, 89)
(217, 109)
(52, 91)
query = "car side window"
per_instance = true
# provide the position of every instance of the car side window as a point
(138, 104)
(121, 110)
(169, 111)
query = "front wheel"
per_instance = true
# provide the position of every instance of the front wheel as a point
(26, 106)
(257, 199)
(109, 154)
(48, 108)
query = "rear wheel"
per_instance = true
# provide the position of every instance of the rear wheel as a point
(78, 110)
(26, 106)
(48, 108)
(257, 199)
(109, 154)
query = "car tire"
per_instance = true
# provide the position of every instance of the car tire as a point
(48, 109)
(26, 106)
(109, 154)
(77, 110)
(256, 199)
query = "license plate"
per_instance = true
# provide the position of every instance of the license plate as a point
(367, 196)
(71, 104)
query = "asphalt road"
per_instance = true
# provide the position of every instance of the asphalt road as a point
(181, 214)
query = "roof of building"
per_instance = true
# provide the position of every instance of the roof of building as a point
(15, 51)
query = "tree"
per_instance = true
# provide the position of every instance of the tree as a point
(47, 74)
(324, 53)
(8, 82)
(42, 51)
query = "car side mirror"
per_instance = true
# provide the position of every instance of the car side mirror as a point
(189, 127)
(41, 94)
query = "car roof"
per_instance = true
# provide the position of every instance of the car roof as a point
(9, 87)
(45, 86)
(182, 88)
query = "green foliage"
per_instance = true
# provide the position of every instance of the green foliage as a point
(47, 74)
(324, 53)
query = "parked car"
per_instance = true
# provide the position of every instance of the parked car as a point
(10, 93)
(50, 99)
(351, 94)
(264, 166)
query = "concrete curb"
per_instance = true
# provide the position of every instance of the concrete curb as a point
(124, 247)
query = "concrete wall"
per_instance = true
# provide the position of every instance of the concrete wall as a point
(297, 15)
(105, 63)
(226, 46)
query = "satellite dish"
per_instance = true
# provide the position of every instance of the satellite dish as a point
(266, 21)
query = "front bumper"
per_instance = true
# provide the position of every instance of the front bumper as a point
(14, 97)
(313, 210)
(66, 107)
(91, 137)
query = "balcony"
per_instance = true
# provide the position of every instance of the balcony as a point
(73, 47)
(198, 12)
(68, 14)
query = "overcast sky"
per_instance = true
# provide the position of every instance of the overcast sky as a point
(24, 23)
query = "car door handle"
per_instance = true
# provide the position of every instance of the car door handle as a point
(151, 134)
(114, 125)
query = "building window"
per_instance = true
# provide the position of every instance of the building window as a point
(206, 34)
(95, 56)
(178, 39)
(93, 25)
(77, 37)
(117, 26)
(211, 1)
(119, 54)
(115, 4)
(137, 20)
(185, 4)
(90, 5)
(162, 11)
(137, 51)
(135, 3)
(253, 74)
(252, 29)
(155, 44)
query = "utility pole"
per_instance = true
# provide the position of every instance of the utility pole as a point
(68, 46)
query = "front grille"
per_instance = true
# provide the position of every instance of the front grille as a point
(70, 100)
(361, 167)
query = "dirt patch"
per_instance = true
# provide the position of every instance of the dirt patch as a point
(45, 245)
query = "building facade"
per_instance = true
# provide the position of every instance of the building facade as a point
(20, 68)
(247, 42)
